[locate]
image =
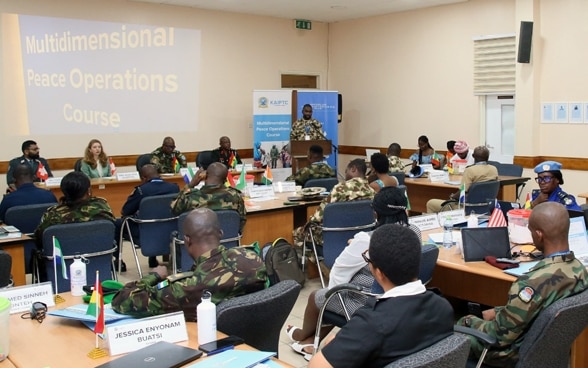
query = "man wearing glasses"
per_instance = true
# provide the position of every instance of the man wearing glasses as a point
(549, 178)
(167, 159)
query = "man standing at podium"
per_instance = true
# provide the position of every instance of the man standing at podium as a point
(307, 128)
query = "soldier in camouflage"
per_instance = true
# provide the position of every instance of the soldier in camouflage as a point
(307, 128)
(393, 154)
(355, 187)
(225, 273)
(163, 157)
(557, 276)
(213, 194)
(316, 170)
(76, 205)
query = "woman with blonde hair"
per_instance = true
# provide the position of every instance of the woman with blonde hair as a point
(96, 163)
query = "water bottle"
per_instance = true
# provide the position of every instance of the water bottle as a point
(472, 220)
(447, 232)
(4, 322)
(77, 276)
(206, 315)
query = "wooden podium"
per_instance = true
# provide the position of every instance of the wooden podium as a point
(299, 152)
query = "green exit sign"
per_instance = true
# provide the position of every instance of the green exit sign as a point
(303, 24)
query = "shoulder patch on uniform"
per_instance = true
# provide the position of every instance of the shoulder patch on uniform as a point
(526, 294)
(179, 276)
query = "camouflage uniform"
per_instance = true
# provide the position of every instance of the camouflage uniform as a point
(163, 162)
(396, 164)
(93, 208)
(226, 273)
(301, 128)
(315, 170)
(350, 190)
(551, 279)
(216, 197)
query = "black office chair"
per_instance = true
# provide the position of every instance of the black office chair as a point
(204, 159)
(258, 317)
(5, 269)
(549, 339)
(450, 352)
(479, 199)
(78, 165)
(143, 159)
(399, 176)
(327, 183)
(512, 170)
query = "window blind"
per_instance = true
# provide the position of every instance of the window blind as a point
(494, 65)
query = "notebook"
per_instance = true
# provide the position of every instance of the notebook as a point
(159, 355)
(480, 242)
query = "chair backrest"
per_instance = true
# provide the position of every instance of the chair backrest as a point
(429, 255)
(258, 317)
(156, 225)
(78, 165)
(450, 352)
(481, 196)
(341, 221)
(399, 176)
(509, 170)
(229, 222)
(5, 269)
(26, 218)
(548, 341)
(204, 159)
(143, 159)
(327, 183)
(93, 240)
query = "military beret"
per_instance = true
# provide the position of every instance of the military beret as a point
(547, 166)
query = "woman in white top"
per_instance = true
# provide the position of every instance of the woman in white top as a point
(96, 163)
(350, 267)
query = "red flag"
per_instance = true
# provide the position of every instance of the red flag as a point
(41, 172)
(497, 218)
(112, 167)
(231, 180)
(96, 306)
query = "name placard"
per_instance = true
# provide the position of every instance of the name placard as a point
(130, 336)
(22, 297)
(284, 186)
(438, 176)
(133, 175)
(50, 182)
(425, 222)
(241, 167)
(261, 191)
(456, 216)
(427, 167)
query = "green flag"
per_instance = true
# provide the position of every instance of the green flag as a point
(241, 185)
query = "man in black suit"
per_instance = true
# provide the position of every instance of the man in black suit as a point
(152, 185)
(30, 156)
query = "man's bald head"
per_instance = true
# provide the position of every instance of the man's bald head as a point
(202, 231)
(549, 224)
(216, 173)
(148, 172)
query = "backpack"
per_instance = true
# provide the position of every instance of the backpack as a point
(281, 262)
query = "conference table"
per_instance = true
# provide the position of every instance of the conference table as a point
(485, 284)
(15, 247)
(60, 342)
(420, 190)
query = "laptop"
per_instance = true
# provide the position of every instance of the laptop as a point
(480, 242)
(159, 355)
(578, 239)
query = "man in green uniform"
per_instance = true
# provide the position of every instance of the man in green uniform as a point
(355, 187)
(307, 128)
(316, 170)
(225, 273)
(557, 276)
(165, 157)
(213, 194)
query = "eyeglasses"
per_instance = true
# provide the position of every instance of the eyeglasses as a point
(37, 312)
(365, 257)
(544, 179)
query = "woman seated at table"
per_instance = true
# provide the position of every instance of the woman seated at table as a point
(378, 177)
(426, 155)
(350, 267)
(96, 163)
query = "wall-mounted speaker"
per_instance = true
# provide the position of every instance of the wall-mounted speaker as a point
(339, 108)
(525, 38)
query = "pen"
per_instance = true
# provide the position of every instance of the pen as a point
(230, 347)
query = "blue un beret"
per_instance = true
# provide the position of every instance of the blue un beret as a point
(547, 166)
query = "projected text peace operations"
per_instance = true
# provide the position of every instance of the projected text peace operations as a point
(123, 39)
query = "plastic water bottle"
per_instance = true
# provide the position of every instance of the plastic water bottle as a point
(447, 232)
(77, 276)
(472, 220)
(206, 315)
(4, 322)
